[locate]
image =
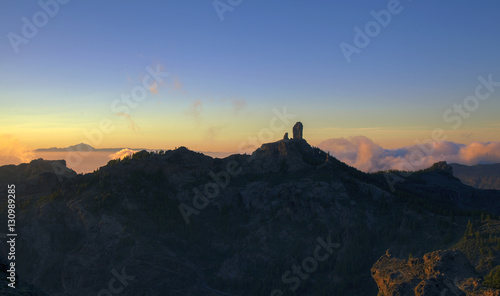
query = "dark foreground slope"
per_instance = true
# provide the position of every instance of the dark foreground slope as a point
(286, 220)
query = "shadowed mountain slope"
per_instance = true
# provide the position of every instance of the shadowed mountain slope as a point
(189, 224)
(482, 176)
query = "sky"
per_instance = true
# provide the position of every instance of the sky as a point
(219, 75)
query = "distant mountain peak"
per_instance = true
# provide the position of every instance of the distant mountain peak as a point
(80, 147)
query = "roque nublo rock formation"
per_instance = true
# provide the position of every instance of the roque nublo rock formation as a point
(297, 131)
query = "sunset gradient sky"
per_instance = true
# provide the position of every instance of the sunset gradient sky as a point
(226, 76)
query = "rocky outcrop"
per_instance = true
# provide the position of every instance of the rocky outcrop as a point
(446, 273)
(442, 167)
(297, 131)
(37, 176)
(286, 155)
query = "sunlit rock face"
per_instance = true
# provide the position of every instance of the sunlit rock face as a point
(297, 130)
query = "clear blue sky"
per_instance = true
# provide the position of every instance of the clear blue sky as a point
(266, 54)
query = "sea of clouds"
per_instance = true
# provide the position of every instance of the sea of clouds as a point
(365, 155)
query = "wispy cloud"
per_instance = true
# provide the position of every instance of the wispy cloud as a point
(131, 123)
(248, 148)
(195, 110)
(238, 104)
(177, 85)
(154, 88)
(362, 153)
(212, 132)
(467, 136)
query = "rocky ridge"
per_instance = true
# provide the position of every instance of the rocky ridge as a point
(259, 219)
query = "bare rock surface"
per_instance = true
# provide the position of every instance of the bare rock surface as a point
(446, 273)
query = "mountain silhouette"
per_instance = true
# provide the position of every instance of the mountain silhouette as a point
(179, 222)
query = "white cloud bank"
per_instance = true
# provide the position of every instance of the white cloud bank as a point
(365, 155)
(122, 153)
